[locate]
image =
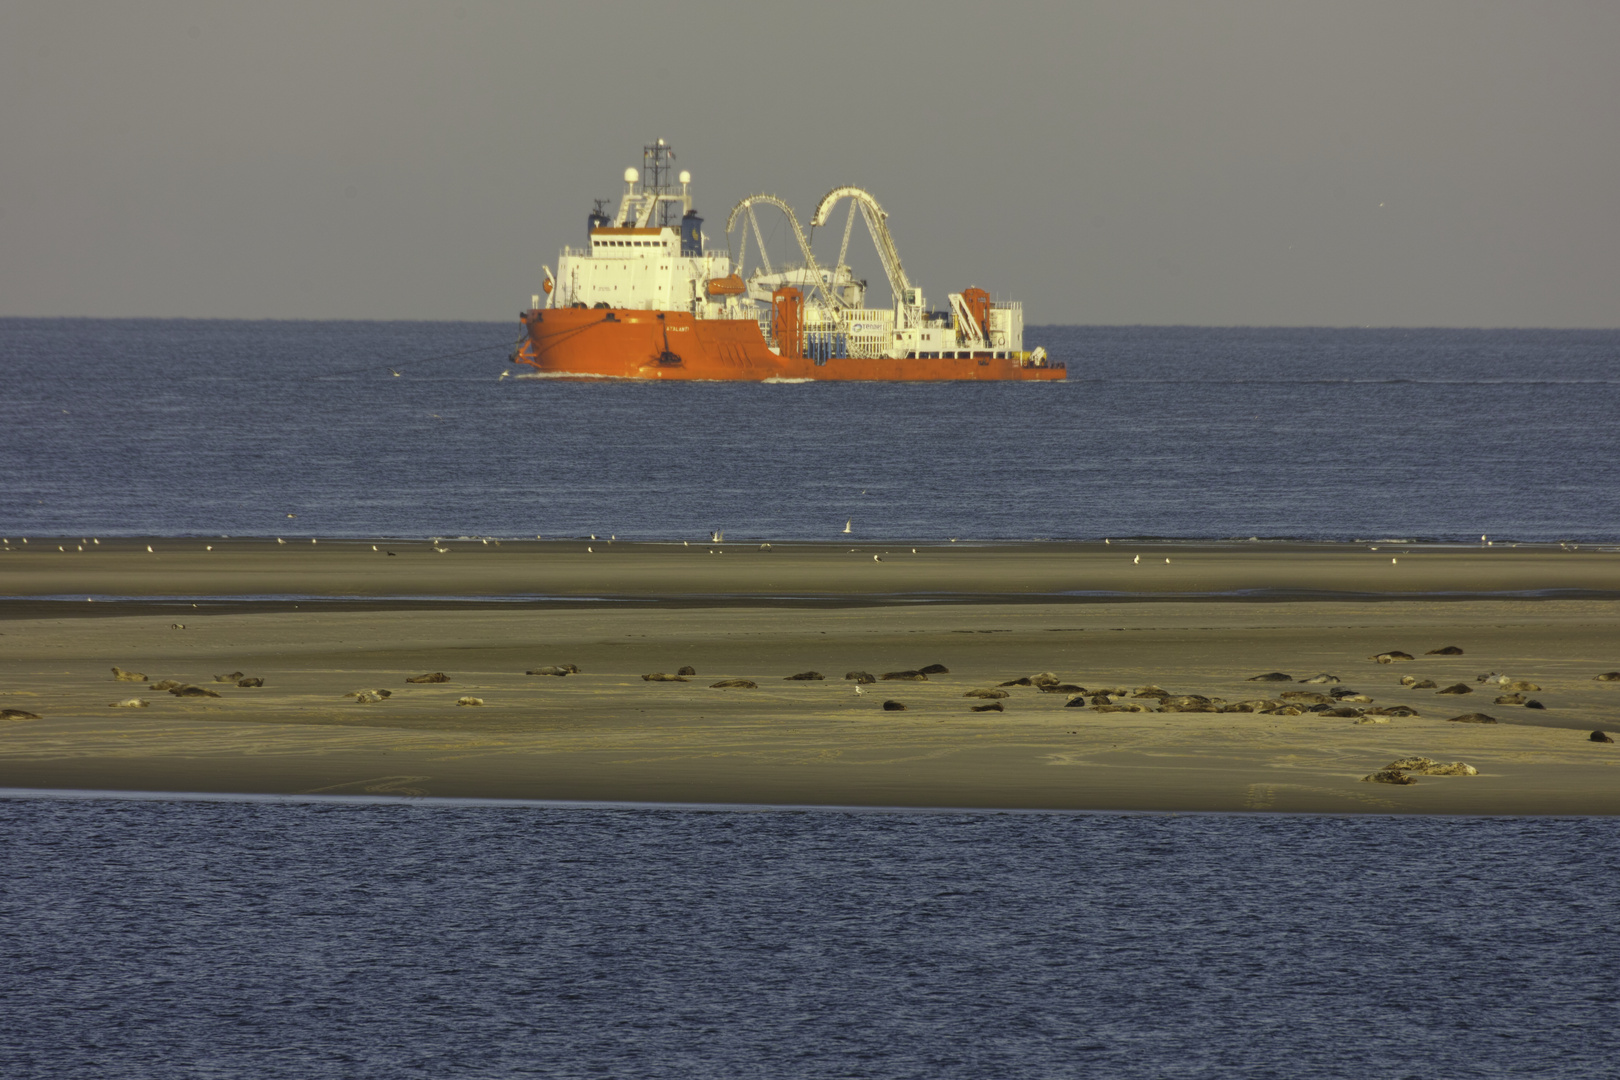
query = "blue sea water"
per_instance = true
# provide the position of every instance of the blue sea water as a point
(276, 939)
(153, 427)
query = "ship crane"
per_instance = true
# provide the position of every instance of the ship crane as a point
(811, 276)
(907, 299)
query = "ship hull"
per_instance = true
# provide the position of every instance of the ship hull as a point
(592, 343)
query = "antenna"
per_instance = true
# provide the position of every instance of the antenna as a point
(658, 179)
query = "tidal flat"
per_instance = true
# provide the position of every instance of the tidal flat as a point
(318, 623)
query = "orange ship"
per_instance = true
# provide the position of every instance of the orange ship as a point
(645, 300)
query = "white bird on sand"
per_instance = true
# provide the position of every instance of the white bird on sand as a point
(858, 690)
(1393, 561)
(1136, 561)
(1167, 560)
(877, 558)
(279, 540)
(848, 523)
(149, 547)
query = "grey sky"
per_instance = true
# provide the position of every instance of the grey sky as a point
(1360, 163)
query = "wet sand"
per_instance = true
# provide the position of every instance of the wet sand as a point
(317, 621)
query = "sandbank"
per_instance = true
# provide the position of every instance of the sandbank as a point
(316, 621)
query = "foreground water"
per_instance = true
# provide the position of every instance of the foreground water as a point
(279, 939)
(151, 427)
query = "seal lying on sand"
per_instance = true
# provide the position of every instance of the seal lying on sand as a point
(470, 701)
(1449, 650)
(166, 684)
(1608, 676)
(1391, 656)
(734, 684)
(255, 681)
(1387, 776)
(1428, 767)
(1271, 676)
(659, 676)
(991, 694)
(18, 714)
(1472, 718)
(904, 676)
(687, 670)
(1322, 678)
(559, 670)
(430, 677)
(1598, 736)
(893, 706)
(1456, 688)
(230, 677)
(369, 697)
(807, 676)
(994, 706)
(935, 669)
(193, 691)
(861, 677)
(132, 676)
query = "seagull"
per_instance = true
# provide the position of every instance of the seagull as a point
(858, 690)
(149, 548)
(1167, 560)
(279, 540)
(877, 558)
(848, 523)
(209, 547)
(394, 373)
(1393, 561)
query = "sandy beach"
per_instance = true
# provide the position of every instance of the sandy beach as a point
(318, 621)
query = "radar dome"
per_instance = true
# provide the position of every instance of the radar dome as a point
(630, 175)
(686, 177)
